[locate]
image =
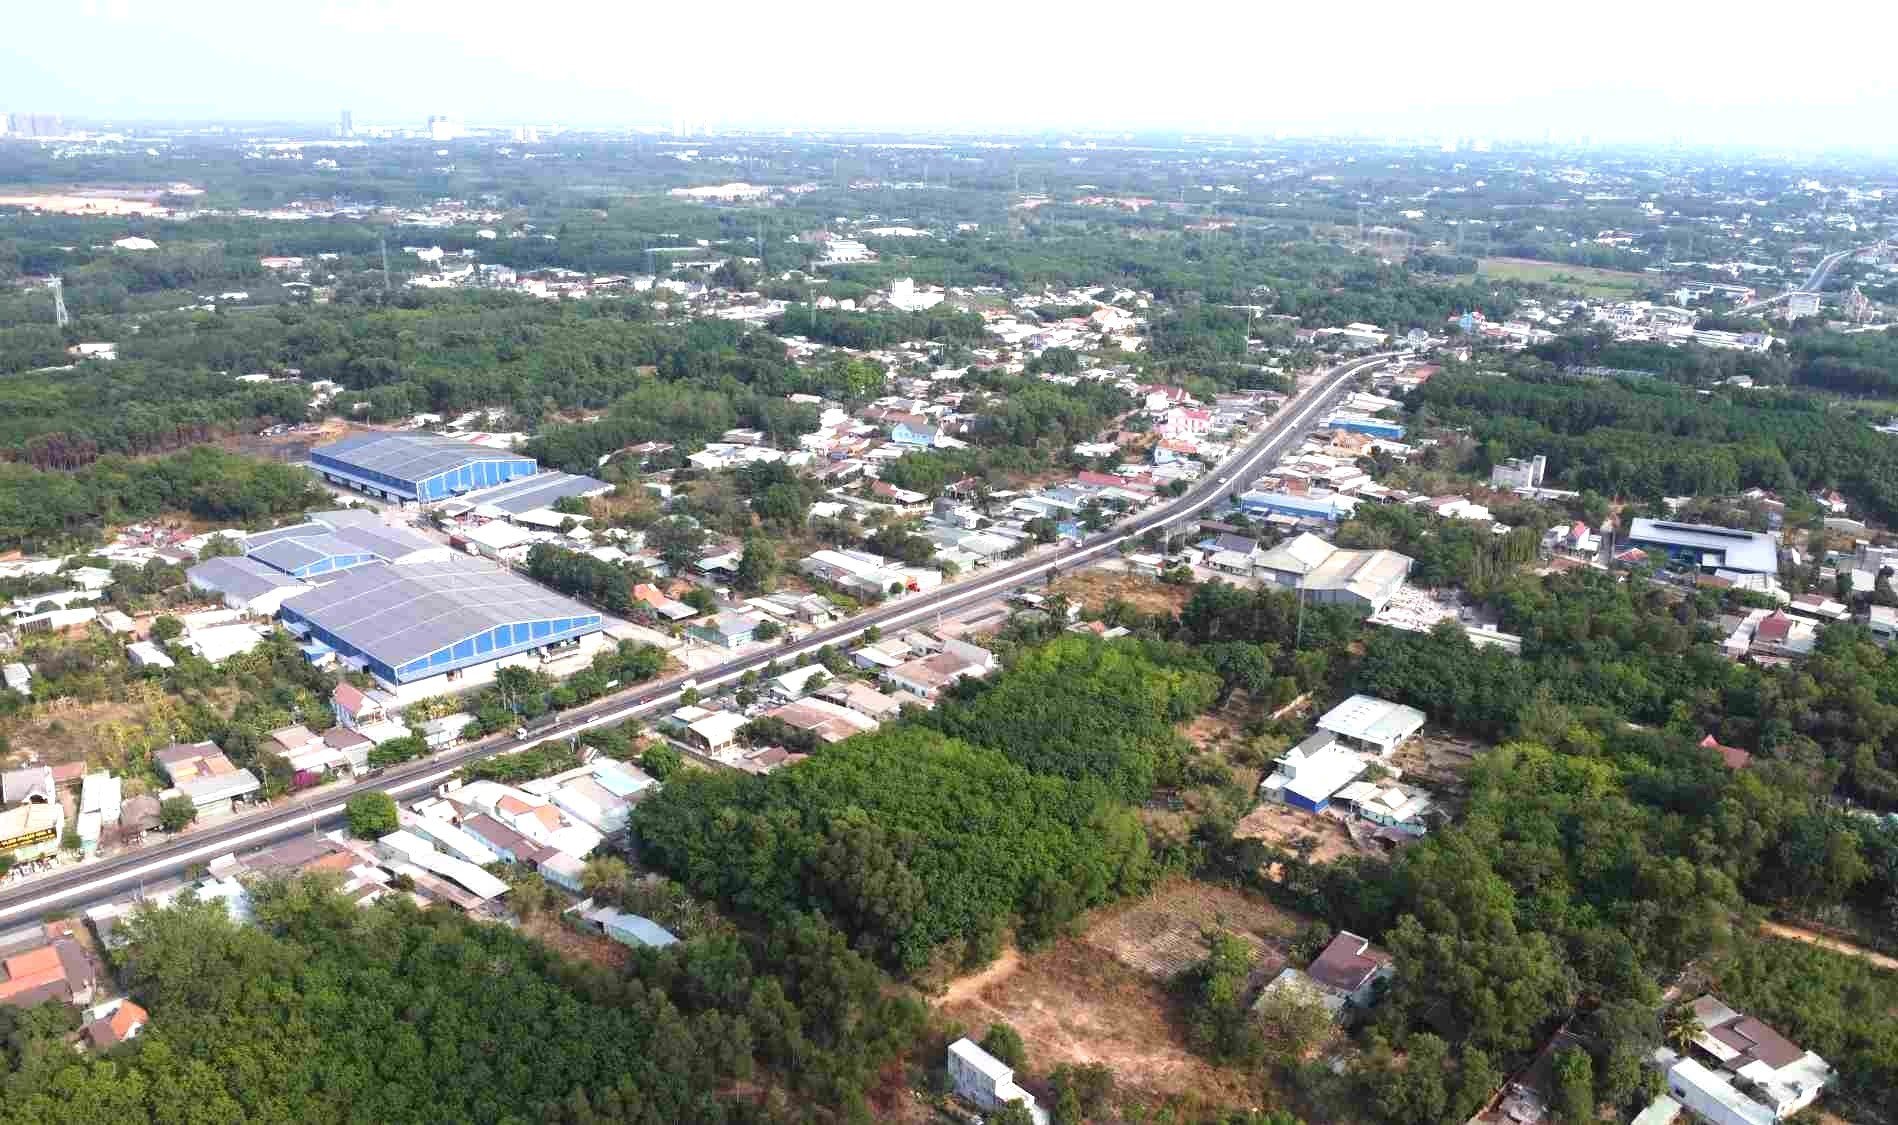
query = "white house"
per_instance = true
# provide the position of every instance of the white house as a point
(1739, 1071)
(986, 1082)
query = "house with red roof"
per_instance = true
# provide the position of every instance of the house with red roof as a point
(1733, 756)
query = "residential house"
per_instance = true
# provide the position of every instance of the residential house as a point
(56, 968)
(727, 630)
(633, 930)
(145, 654)
(1345, 974)
(1739, 1071)
(1734, 757)
(201, 772)
(986, 1082)
(113, 1022)
(1883, 624)
(591, 803)
(915, 434)
(927, 676)
(830, 722)
(27, 784)
(863, 699)
(712, 731)
(1312, 772)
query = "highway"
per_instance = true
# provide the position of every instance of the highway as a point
(89, 883)
(1815, 281)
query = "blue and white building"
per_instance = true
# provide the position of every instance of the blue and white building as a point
(429, 627)
(1365, 424)
(1331, 507)
(1705, 547)
(415, 467)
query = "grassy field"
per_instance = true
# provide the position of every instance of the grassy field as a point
(1584, 280)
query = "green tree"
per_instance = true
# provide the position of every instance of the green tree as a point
(660, 760)
(166, 627)
(174, 813)
(604, 878)
(1293, 1020)
(1574, 1086)
(1005, 1043)
(371, 815)
(758, 567)
(677, 541)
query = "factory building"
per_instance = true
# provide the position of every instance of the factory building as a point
(429, 627)
(331, 541)
(1705, 547)
(416, 467)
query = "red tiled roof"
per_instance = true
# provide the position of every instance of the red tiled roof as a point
(1347, 963)
(1775, 627)
(349, 697)
(1735, 757)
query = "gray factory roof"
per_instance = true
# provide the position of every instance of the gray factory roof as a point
(400, 613)
(1752, 551)
(239, 577)
(410, 456)
(331, 534)
(537, 491)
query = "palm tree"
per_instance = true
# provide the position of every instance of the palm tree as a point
(1680, 1027)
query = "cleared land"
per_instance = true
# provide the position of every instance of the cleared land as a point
(1283, 827)
(1162, 935)
(1093, 589)
(1585, 280)
(1072, 1005)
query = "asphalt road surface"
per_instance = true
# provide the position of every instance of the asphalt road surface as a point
(89, 883)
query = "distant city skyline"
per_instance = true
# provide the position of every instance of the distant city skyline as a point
(1488, 70)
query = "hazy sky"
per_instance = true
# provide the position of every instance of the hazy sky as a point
(1613, 69)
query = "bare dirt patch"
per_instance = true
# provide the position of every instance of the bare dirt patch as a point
(1284, 827)
(1073, 1006)
(550, 932)
(1437, 761)
(1093, 589)
(964, 989)
(1164, 934)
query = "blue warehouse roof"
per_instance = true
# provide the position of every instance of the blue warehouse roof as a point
(409, 456)
(398, 614)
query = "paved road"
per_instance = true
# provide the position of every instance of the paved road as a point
(1815, 281)
(88, 883)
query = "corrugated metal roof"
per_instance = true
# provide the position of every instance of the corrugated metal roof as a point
(537, 491)
(399, 613)
(410, 456)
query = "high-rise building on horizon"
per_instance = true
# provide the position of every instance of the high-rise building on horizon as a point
(346, 125)
(35, 125)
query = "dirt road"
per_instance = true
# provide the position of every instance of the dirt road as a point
(1794, 933)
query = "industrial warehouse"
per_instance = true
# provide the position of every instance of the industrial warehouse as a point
(393, 603)
(416, 467)
(428, 627)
